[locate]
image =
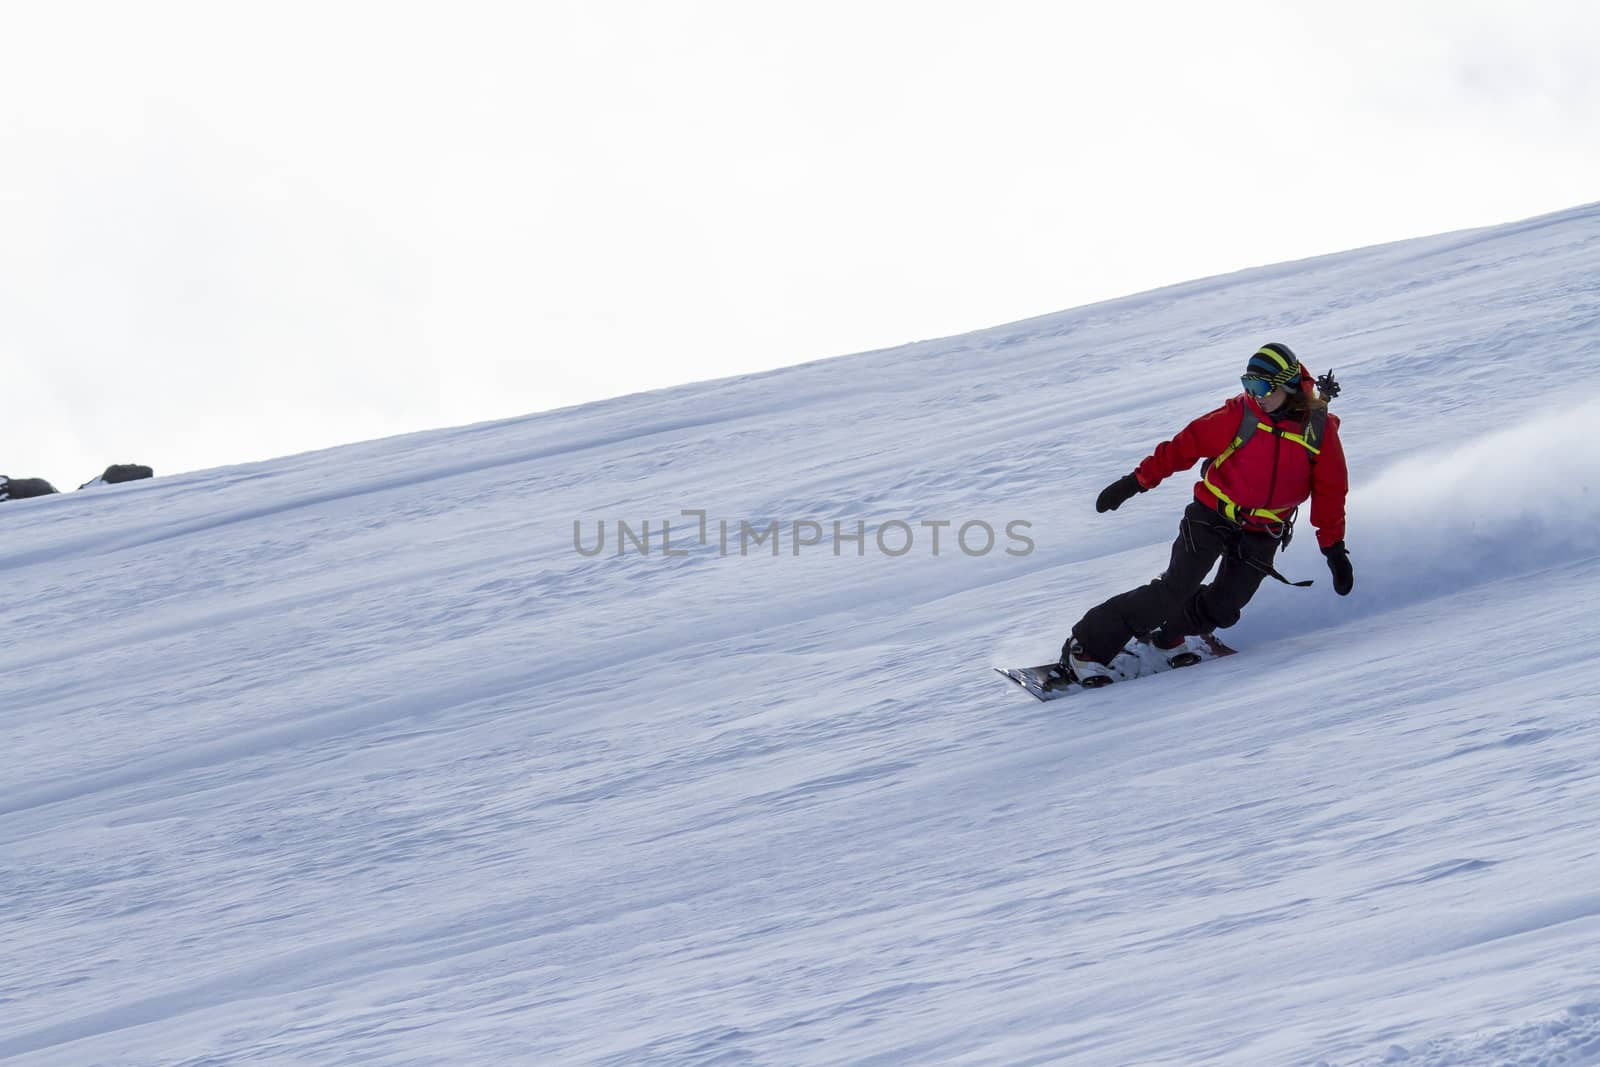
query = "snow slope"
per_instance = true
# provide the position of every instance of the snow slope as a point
(354, 756)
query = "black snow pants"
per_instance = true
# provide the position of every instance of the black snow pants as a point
(1180, 601)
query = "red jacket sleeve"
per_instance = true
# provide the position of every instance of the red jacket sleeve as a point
(1204, 438)
(1330, 484)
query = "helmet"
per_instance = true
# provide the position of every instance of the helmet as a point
(1274, 363)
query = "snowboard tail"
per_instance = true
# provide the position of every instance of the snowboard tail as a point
(1045, 682)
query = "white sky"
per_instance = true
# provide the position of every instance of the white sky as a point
(230, 231)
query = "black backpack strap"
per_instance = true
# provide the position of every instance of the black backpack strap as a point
(1315, 427)
(1272, 572)
(1247, 429)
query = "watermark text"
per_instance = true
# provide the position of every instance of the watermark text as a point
(893, 538)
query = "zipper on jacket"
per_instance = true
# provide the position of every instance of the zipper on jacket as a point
(1277, 450)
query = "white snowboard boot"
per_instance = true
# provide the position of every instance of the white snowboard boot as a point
(1092, 674)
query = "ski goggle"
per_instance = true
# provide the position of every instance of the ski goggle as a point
(1257, 387)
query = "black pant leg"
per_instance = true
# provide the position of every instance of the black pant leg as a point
(1218, 605)
(1106, 627)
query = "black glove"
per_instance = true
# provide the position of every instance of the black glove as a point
(1118, 493)
(1344, 579)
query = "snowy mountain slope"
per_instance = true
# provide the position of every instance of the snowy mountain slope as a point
(354, 757)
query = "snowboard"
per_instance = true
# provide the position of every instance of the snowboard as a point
(1051, 681)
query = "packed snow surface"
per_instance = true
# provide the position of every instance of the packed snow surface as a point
(369, 756)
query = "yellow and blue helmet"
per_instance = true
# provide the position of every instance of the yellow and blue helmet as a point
(1273, 364)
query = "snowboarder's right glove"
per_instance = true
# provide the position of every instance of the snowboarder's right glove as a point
(1344, 579)
(1118, 493)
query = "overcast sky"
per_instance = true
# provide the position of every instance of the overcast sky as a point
(230, 231)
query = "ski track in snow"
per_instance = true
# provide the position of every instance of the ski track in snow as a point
(351, 757)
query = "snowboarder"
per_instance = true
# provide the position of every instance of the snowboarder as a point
(1267, 451)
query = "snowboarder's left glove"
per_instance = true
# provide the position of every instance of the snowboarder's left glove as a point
(1118, 493)
(1344, 579)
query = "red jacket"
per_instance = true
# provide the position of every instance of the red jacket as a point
(1268, 472)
